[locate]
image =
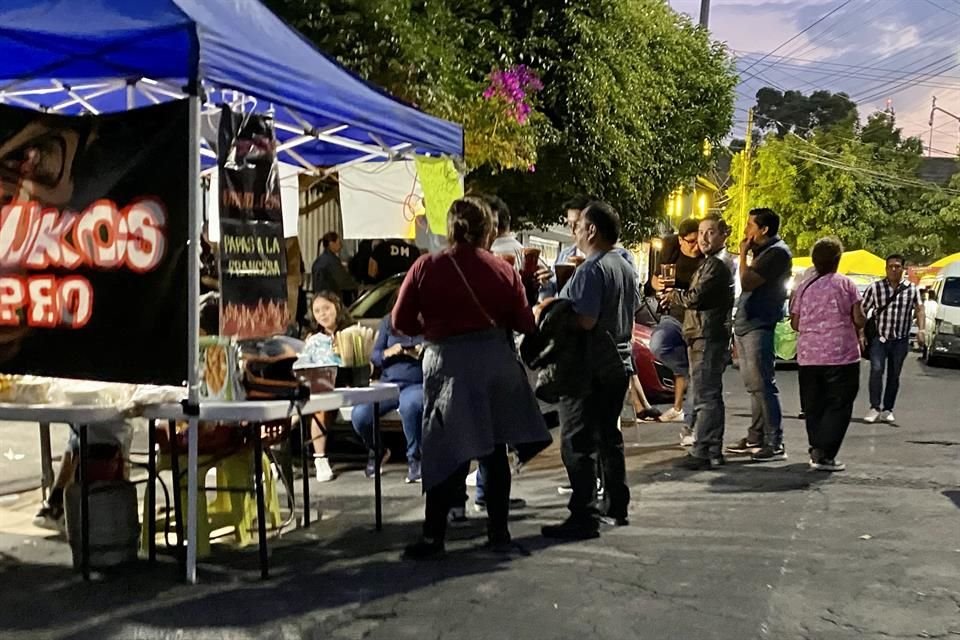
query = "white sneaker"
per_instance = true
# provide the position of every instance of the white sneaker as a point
(871, 416)
(672, 415)
(324, 472)
(472, 478)
(887, 416)
(828, 465)
(687, 439)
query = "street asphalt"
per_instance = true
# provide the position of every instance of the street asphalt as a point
(751, 551)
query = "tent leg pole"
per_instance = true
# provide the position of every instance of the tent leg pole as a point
(193, 332)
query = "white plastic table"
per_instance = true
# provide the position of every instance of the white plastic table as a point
(78, 417)
(257, 412)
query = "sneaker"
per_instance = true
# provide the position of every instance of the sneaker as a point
(324, 471)
(826, 464)
(457, 517)
(686, 438)
(571, 529)
(888, 417)
(615, 521)
(472, 478)
(744, 446)
(566, 489)
(371, 470)
(770, 454)
(691, 462)
(872, 416)
(413, 472)
(802, 415)
(424, 550)
(673, 415)
(50, 517)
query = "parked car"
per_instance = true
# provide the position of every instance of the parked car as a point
(943, 330)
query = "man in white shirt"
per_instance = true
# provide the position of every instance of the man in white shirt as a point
(506, 243)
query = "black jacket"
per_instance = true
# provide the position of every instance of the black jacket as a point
(708, 303)
(569, 361)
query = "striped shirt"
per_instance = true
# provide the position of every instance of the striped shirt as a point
(895, 321)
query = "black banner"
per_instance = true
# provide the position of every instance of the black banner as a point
(93, 235)
(253, 259)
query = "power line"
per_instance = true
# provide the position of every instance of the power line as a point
(888, 91)
(800, 33)
(855, 72)
(942, 8)
(812, 62)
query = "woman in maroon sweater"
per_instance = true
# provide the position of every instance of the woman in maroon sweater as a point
(467, 304)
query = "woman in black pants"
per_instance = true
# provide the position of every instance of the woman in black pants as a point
(467, 304)
(829, 316)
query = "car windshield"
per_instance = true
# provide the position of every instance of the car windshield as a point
(951, 292)
(377, 302)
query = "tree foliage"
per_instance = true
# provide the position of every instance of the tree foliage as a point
(631, 89)
(859, 184)
(793, 112)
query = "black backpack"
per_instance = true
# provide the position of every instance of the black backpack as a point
(268, 369)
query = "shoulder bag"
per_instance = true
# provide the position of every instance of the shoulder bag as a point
(473, 295)
(871, 330)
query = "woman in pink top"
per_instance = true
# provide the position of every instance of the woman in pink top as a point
(828, 314)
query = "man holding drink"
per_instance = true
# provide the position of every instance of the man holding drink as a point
(679, 260)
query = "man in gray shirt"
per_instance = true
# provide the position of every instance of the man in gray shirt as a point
(604, 295)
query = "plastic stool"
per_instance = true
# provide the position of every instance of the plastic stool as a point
(235, 508)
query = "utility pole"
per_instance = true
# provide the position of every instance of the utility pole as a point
(705, 13)
(933, 109)
(705, 23)
(745, 175)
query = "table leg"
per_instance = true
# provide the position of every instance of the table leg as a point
(177, 500)
(305, 468)
(151, 491)
(46, 460)
(377, 446)
(261, 503)
(193, 443)
(84, 506)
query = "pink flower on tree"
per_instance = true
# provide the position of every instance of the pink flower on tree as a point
(515, 86)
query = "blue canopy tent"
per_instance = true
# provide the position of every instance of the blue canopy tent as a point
(100, 56)
(110, 55)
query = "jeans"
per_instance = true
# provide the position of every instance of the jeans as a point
(450, 494)
(410, 405)
(589, 433)
(755, 350)
(887, 355)
(708, 359)
(667, 343)
(828, 394)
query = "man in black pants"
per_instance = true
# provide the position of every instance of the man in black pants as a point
(604, 295)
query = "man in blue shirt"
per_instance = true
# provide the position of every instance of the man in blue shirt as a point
(604, 296)
(760, 308)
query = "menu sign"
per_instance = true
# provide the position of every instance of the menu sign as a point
(253, 260)
(93, 233)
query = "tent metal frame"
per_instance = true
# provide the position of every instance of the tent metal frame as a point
(157, 91)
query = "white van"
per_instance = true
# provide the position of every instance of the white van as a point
(943, 330)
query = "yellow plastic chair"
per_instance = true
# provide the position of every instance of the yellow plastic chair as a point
(236, 508)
